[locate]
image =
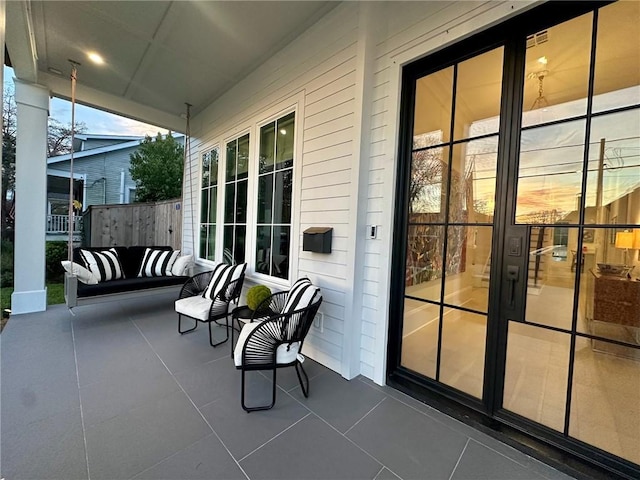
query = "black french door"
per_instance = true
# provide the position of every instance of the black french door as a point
(519, 180)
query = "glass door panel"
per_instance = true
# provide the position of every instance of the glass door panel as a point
(617, 76)
(551, 276)
(478, 84)
(469, 257)
(614, 173)
(557, 73)
(605, 411)
(463, 350)
(420, 337)
(535, 383)
(574, 327)
(550, 173)
(434, 96)
(451, 201)
(428, 183)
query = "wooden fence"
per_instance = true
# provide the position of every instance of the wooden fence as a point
(133, 224)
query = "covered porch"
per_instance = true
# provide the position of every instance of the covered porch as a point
(115, 392)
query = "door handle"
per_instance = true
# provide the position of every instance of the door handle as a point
(513, 273)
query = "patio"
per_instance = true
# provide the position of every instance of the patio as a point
(115, 392)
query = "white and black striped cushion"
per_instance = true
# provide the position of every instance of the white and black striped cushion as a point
(104, 265)
(158, 263)
(300, 296)
(218, 280)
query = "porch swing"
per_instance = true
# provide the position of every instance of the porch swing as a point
(119, 273)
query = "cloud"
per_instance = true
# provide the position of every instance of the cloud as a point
(100, 122)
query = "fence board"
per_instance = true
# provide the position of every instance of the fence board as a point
(135, 224)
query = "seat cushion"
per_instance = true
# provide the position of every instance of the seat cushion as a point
(284, 353)
(127, 285)
(194, 307)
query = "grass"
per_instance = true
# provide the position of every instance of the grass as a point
(55, 295)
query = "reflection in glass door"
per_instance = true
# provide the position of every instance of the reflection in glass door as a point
(450, 224)
(572, 349)
(517, 291)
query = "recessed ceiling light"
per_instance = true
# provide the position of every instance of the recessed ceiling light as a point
(543, 60)
(95, 58)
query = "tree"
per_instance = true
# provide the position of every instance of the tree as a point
(58, 142)
(8, 160)
(156, 167)
(59, 137)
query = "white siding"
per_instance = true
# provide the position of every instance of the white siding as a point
(413, 30)
(318, 69)
(103, 175)
(191, 191)
(344, 72)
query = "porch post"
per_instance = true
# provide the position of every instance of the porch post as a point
(30, 293)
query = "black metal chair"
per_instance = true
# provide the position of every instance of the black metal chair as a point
(207, 303)
(274, 340)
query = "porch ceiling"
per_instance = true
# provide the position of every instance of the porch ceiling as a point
(157, 54)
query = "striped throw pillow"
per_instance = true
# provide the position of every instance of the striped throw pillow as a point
(218, 280)
(104, 265)
(158, 263)
(300, 296)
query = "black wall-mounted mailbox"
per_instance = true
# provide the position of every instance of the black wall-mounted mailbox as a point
(317, 239)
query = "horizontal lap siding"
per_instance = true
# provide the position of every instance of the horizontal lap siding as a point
(322, 67)
(107, 166)
(412, 31)
(191, 190)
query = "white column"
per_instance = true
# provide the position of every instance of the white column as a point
(370, 22)
(30, 293)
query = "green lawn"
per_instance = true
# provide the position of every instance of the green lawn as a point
(55, 295)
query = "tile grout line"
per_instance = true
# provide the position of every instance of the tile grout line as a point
(365, 415)
(356, 445)
(84, 432)
(190, 400)
(459, 458)
(345, 437)
(428, 415)
(379, 472)
(274, 437)
(528, 467)
(310, 378)
(171, 456)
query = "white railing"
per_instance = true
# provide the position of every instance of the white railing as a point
(60, 223)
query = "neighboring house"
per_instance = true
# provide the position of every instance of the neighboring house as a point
(434, 138)
(101, 175)
(101, 169)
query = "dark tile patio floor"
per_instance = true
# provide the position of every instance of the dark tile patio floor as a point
(115, 392)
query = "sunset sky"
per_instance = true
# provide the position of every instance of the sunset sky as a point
(97, 121)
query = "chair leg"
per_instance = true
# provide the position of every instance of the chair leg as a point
(263, 407)
(180, 331)
(211, 337)
(305, 389)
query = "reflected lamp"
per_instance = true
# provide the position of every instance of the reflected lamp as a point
(625, 240)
